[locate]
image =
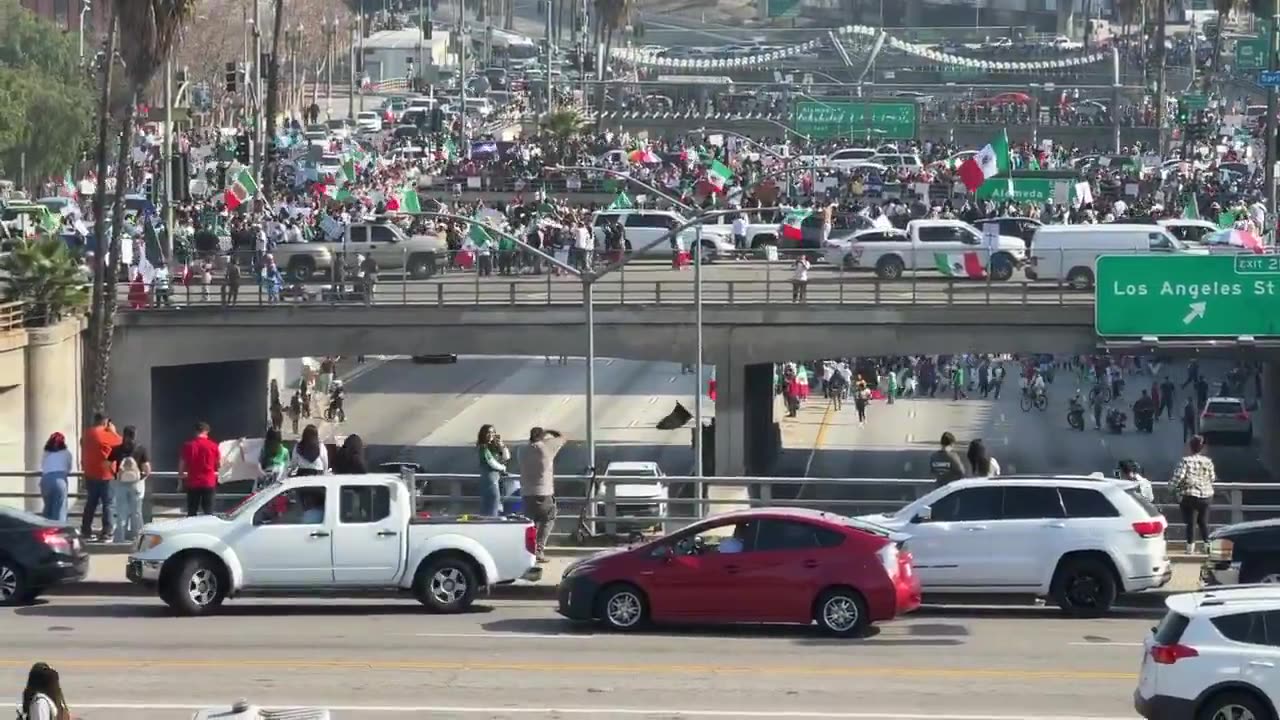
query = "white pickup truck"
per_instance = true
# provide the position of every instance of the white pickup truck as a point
(328, 533)
(891, 252)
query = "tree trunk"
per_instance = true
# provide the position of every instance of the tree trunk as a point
(102, 284)
(1217, 54)
(273, 102)
(1162, 13)
(106, 335)
(601, 64)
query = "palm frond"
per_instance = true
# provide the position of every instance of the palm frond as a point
(150, 29)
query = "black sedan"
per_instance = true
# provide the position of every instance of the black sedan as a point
(1247, 552)
(36, 553)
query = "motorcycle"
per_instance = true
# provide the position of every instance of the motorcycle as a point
(1075, 418)
(1144, 421)
(1116, 420)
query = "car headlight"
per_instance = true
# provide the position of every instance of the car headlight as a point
(146, 541)
(578, 569)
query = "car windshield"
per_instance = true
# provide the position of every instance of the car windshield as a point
(1224, 407)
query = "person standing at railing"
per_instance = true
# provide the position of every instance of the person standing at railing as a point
(493, 455)
(95, 453)
(198, 463)
(1192, 483)
(133, 466)
(537, 482)
(55, 467)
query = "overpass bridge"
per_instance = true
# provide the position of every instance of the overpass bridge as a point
(202, 360)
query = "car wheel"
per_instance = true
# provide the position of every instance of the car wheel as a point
(622, 607)
(1001, 268)
(447, 585)
(1084, 587)
(13, 588)
(422, 267)
(842, 613)
(1260, 571)
(889, 267)
(848, 263)
(1080, 278)
(1234, 705)
(195, 588)
(303, 269)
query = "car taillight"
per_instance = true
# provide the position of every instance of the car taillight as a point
(1170, 654)
(1149, 528)
(1208, 414)
(1221, 549)
(1242, 415)
(54, 540)
(889, 559)
(531, 539)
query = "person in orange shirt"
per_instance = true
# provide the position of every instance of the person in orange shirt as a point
(95, 450)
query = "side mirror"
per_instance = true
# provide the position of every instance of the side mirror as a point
(924, 515)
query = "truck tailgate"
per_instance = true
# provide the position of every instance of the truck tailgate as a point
(507, 542)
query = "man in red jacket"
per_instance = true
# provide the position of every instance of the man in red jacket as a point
(198, 469)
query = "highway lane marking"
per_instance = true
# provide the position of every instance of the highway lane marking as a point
(910, 437)
(823, 426)
(505, 635)
(462, 664)
(632, 423)
(906, 467)
(606, 711)
(653, 400)
(566, 399)
(672, 381)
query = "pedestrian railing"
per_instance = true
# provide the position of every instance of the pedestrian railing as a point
(687, 499)
(12, 316)
(514, 278)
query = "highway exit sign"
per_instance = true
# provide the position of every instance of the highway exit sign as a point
(1187, 295)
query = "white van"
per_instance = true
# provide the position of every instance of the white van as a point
(1070, 252)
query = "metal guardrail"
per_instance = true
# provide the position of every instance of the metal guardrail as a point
(12, 316)
(690, 499)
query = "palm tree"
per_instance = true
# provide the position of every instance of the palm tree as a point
(611, 15)
(273, 93)
(564, 124)
(153, 27)
(102, 286)
(47, 277)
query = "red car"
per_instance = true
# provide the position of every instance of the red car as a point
(767, 565)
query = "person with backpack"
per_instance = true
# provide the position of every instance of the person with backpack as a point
(42, 697)
(133, 466)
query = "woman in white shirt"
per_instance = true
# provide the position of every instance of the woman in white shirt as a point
(55, 466)
(981, 462)
(310, 457)
(42, 697)
(800, 279)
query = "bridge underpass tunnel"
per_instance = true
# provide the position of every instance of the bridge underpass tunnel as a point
(230, 396)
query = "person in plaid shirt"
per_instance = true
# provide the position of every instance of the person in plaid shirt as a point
(1192, 484)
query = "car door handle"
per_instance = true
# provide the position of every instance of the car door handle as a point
(387, 533)
(731, 569)
(976, 528)
(1261, 663)
(810, 563)
(1056, 525)
(320, 533)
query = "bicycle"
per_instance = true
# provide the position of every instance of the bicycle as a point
(1038, 400)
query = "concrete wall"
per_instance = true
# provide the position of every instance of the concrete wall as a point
(40, 393)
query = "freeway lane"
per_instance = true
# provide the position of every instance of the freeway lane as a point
(513, 659)
(430, 414)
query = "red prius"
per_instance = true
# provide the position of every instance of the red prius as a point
(768, 565)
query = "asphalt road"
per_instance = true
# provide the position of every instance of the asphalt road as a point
(126, 659)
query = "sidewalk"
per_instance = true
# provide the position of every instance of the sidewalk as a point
(106, 578)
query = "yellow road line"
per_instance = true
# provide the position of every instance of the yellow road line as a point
(561, 667)
(820, 439)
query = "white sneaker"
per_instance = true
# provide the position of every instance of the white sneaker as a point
(1191, 548)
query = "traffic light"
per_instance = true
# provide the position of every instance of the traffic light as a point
(230, 77)
(244, 149)
(1182, 115)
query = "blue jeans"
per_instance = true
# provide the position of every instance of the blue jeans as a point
(96, 492)
(53, 488)
(127, 506)
(490, 494)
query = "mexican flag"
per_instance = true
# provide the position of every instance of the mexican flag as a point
(479, 234)
(1191, 207)
(791, 224)
(349, 170)
(959, 264)
(718, 174)
(243, 188)
(621, 202)
(989, 162)
(408, 200)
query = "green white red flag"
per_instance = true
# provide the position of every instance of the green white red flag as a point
(793, 222)
(242, 190)
(959, 264)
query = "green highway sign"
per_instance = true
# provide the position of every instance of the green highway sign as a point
(1251, 54)
(1195, 101)
(882, 120)
(1187, 295)
(782, 8)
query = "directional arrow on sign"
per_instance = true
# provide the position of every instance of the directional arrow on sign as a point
(1197, 311)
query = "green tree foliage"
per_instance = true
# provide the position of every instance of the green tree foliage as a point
(45, 275)
(46, 107)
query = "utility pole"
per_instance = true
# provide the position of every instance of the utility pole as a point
(1160, 102)
(168, 159)
(464, 40)
(422, 37)
(85, 6)
(551, 98)
(330, 29)
(1271, 111)
(351, 60)
(258, 126)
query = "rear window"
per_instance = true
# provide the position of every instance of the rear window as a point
(1170, 629)
(1085, 503)
(1145, 504)
(1224, 407)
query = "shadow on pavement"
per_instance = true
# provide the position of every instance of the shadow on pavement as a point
(239, 608)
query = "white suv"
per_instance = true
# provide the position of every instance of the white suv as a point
(1214, 655)
(1078, 540)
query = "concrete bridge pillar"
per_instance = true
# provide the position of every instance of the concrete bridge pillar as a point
(1066, 17)
(747, 438)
